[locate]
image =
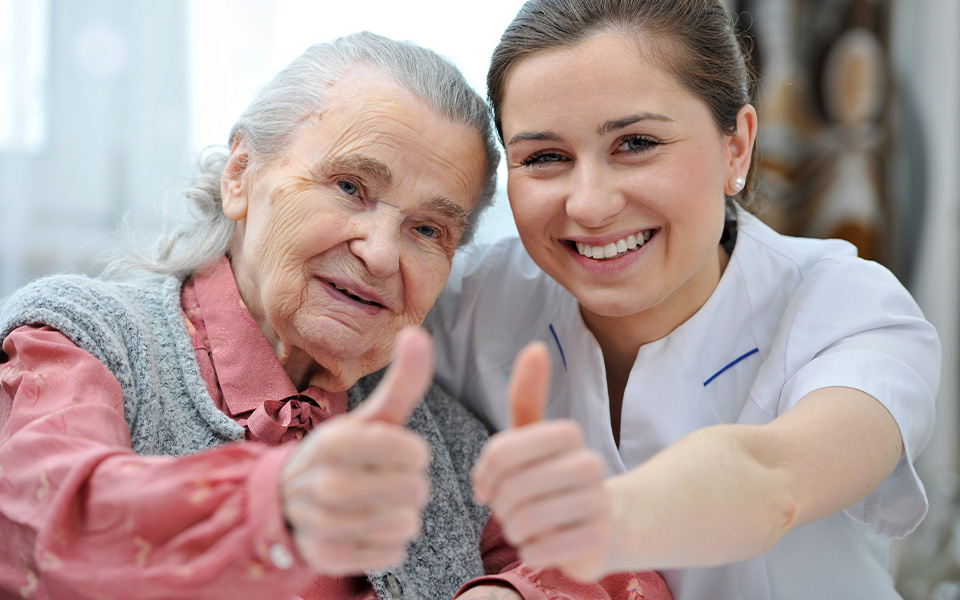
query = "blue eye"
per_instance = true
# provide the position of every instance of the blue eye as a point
(348, 187)
(427, 231)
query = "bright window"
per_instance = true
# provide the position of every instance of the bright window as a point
(237, 45)
(24, 45)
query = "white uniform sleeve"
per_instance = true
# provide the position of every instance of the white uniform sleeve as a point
(852, 324)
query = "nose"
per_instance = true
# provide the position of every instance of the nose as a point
(593, 199)
(378, 243)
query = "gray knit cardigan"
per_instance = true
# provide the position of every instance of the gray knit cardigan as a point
(136, 329)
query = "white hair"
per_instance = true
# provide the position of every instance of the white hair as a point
(269, 124)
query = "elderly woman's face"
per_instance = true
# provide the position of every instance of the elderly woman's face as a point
(349, 237)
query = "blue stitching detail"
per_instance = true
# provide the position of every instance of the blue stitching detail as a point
(735, 361)
(557, 340)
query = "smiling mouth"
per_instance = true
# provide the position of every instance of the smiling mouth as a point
(631, 243)
(353, 296)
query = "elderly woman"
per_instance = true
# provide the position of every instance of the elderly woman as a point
(328, 228)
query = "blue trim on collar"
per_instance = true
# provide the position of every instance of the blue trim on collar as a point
(735, 361)
(557, 340)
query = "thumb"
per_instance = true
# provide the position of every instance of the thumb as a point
(529, 384)
(405, 382)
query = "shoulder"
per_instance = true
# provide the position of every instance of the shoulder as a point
(67, 290)
(760, 247)
(821, 270)
(786, 276)
(84, 307)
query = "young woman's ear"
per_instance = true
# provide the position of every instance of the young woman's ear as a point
(233, 183)
(740, 149)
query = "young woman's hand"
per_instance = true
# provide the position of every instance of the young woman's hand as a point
(542, 483)
(354, 489)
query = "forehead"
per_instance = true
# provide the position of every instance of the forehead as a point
(370, 122)
(607, 68)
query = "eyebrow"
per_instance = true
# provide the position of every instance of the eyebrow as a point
(609, 126)
(536, 136)
(449, 209)
(616, 124)
(360, 163)
(379, 171)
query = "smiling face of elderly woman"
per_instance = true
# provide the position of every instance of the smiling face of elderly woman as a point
(349, 237)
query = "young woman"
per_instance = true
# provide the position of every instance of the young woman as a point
(758, 400)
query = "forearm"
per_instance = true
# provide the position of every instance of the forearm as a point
(730, 492)
(173, 528)
(102, 521)
(702, 501)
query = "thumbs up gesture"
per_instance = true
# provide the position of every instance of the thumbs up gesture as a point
(544, 486)
(354, 489)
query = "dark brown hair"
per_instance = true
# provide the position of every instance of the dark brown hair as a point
(695, 40)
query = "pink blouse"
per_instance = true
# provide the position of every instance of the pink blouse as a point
(83, 516)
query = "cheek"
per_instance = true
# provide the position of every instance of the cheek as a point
(423, 282)
(529, 202)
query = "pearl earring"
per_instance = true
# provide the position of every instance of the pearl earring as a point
(738, 184)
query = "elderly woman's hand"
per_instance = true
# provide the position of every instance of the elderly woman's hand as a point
(354, 489)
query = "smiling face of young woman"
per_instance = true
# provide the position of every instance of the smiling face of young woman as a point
(617, 176)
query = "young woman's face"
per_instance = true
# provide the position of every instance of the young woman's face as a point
(617, 176)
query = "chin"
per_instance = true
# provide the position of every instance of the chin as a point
(614, 304)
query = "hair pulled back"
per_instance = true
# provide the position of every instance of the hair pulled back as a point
(694, 40)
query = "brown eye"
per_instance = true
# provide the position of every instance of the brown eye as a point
(638, 143)
(542, 158)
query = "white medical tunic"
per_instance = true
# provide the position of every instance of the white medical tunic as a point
(788, 316)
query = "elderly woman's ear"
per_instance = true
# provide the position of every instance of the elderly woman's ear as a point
(233, 197)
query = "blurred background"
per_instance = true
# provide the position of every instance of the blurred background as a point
(106, 104)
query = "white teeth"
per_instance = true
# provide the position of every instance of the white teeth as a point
(631, 242)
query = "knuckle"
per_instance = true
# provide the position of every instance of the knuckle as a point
(510, 493)
(522, 524)
(422, 491)
(408, 524)
(590, 466)
(493, 454)
(594, 540)
(570, 433)
(419, 453)
(335, 488)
